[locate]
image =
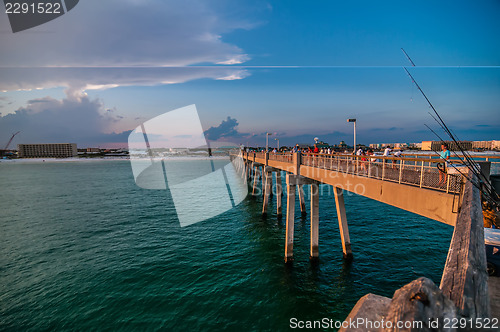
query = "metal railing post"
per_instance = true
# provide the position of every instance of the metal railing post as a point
(383, 169)
(421, 174)
(401, 163)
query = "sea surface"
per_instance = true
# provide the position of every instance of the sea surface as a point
(82, 247)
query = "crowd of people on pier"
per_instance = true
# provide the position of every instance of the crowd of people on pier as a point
(364, 155)
(328, 150)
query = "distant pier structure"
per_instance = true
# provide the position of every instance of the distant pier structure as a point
(410, 183)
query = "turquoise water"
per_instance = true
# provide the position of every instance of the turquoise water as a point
(83, 248)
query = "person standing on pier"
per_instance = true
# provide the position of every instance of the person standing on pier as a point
(445, 155)
(387, 151)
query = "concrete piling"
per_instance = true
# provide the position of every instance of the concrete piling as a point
(290, 218)
(314, 253)
(344, 230)
(267, 177)
(279, 193)
(302, 200)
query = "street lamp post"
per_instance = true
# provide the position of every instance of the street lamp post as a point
(353, 121)
(278, 140)
(267, 141)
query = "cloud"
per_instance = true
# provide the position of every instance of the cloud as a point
(78, 80)
(226, 129)
(49, 120)
(129, 33)
(105, 44)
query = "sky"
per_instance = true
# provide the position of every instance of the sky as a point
(297, 69)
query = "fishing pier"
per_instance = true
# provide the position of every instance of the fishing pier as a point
(411, 183)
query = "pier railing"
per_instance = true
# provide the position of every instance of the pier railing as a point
(412, 171)
(419, 172)
(458, 156)
(283, 157)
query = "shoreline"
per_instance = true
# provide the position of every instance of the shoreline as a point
(75, 160)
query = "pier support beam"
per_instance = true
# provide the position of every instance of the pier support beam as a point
(302, 199)
(256, 175)
(290, 218)
(263, 179)
(344, 230)
(314, 253)
(247, 170)
(292, 182)
(267, 178)
(279, 193)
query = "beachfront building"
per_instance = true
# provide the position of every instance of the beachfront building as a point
(486, 145)
(436, 145)
(47, 150)
(393, 145)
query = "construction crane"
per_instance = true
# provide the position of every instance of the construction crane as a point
(4, 151)
(10, 141)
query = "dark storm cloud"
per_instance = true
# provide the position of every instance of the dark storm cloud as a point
(227, 129)
(50, 120)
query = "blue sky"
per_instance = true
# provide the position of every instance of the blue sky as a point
(295, 68)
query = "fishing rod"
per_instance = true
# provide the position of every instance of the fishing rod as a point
(477, 185)
(482, 184)
(408, 57)
(440, 122)
(486, 189)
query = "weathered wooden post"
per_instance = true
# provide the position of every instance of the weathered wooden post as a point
(344, 230)
(465, 280)
(314, 253)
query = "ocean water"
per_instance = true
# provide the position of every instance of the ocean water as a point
(83, 248)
